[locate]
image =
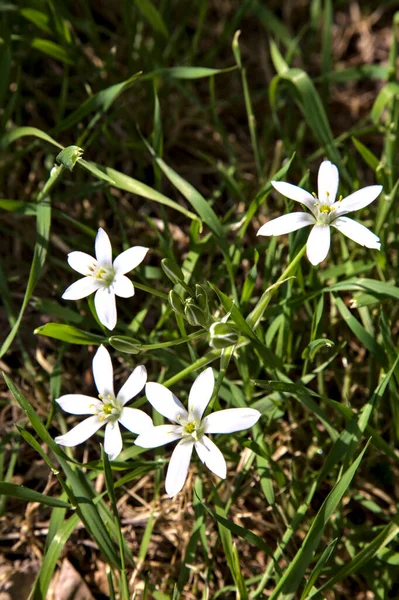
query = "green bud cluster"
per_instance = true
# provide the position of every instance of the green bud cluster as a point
(195, 307)
(222, 335)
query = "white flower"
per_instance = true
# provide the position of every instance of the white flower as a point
(107, 409)
(326, 212)
(104, 277)
(190, 428)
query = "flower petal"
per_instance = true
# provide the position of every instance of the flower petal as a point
(122, 286)
(201, 393)
(178, 467)
(318, 243)
(293, 192)
(104, 301)
(81, 288)
(357, 200)
(232, 419)
(133, 385)
(81, 262)
(211, 456)
(165, 402)
(328, 180)
(112, 440)
(286, 224)
(80, 433)
(135, 420)
(159, 436)
(103, 248)
(357, 232)
(129, 259)
(78, 404)
(103, 372)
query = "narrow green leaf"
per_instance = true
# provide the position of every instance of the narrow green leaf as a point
(76, 483)
(359, 331)
(19, 132)
(43, 221)
(101, 102)
(288, 585)
(362, 557)
(128, 184)
(384, 99)
(49, 563)
(24, 493)
(38, 18)
(70, 334)
(153, 16)
(368, 156)
(51, 49)
(241, 532)
(187, 72)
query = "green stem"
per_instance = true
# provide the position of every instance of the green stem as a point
(255, 316)
(187, 338)
(150, 290)
(201, 362)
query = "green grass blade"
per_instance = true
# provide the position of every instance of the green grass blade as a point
(70, 334)
(80, 492)
(292, 578)
(24, 493)
(43, 218)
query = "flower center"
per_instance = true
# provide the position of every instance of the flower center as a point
(103, 273)
(109, 410)
(324, 208)
(193, 429)
(190, 427)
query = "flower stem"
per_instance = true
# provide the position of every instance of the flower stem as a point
(255, 316)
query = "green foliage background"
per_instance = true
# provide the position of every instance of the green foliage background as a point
(183, 123)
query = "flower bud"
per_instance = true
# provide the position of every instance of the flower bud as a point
(201, 297)
(176, 303)
(125, 344)
(172, 271)
(222, 335)
(195, 315)
(69, 156)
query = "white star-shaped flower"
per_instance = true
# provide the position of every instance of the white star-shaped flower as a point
(107, 409)
(326, 212)
(190, 428)
(104, 277)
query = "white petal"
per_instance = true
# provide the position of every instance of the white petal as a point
(358, 199)
(357, 232)
(318, 243)
(81, 262)
(129, 259)
(135, 420)
(159, 436)
(328, 180)
(165, 402)
(133, 385)
(81, 288)
(112, 440)
(211, 456)
(230, 420)
(178, 467)
(103, 248)
(103, 372)
(286, 224)
(293, 192)
(201, 393)
(78, 404)
(104, 301)
(123, 287)
(80, 433)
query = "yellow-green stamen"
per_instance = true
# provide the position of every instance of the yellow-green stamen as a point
(190, 427)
